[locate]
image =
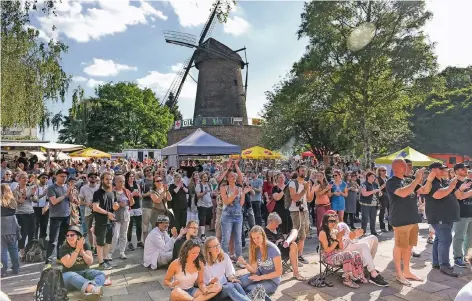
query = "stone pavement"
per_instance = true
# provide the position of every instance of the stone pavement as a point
(131, 279)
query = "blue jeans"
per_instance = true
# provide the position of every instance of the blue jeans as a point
(81, 279)
(248, 285)
(256, 207)
(82, 221)
(462, 233)
(231, 224)
(442, 244)
(10, 246)
(234, 291)
(369, 214)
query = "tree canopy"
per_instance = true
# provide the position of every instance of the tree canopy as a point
(120, 116)
(31, 68)
(361, 96)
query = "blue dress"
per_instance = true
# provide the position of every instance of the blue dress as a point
(337, 201)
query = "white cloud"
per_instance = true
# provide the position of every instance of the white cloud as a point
(91, 83)
(192, 13)
(79, 79)
(236, 26)
(85, 24)
(106, 68)
(176, 67)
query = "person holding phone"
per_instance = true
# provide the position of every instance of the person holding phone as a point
(76, 258)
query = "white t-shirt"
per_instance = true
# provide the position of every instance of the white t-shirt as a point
(293, 206)
(86, 193)
(221, 270)
(204, 201)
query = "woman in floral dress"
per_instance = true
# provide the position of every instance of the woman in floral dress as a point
(332, 244)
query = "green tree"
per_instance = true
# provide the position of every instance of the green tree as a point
(30, 68)
(120, 116)
(372, 88)
(173, 107)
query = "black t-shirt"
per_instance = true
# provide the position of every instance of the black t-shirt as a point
(79, 264)
(279, 205)
(178, 245)
(443, 211)
(179, 199)
(273, 237)
(106, 200)
(369, 187)
(137, 200)
(403, 211)
(465, 206)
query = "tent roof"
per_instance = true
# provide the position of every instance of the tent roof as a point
(50, 145)
(201, 143)
(415, 156)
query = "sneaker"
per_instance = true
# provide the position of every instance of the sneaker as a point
(302, 260)
(242, 266)
(140, 245)
(449, 272)
(460, 263)
(95, 294)
(379, 281)
(383, 230)
(203, 237)
(437, 267)
(415, 254)
(107, 282)
(104, 266)
(123, 256)
(130, 247)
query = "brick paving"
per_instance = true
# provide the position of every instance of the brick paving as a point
(131, 279)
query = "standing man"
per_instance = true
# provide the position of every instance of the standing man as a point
(256, 198)
(59, 211)
(86, 200)
(462, 228)
(104, 204)
(442, 210)
(42, 216)
(404, 217)
(146, 205)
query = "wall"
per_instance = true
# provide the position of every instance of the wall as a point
(244, 136)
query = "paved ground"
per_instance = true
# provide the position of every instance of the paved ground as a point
(131, 279)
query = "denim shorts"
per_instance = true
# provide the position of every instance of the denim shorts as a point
(191, 291)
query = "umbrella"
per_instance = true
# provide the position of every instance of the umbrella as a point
(308, 154)
(90, 153)
(260, 153)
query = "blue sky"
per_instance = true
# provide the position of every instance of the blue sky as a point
(115, 41)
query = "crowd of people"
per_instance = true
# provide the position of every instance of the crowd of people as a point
(92, 208)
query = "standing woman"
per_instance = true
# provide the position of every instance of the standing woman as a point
(351, 200)
(192, 214)
(383, 199)
(178, 192)
(160, 195)
(135, 212)
(278, 192)
(322, 199)
(369, 198)
(265, 263)
(122, 216)
(339, 192)
(186, 271)
(25, 196)
(10, 229)
(218, 265)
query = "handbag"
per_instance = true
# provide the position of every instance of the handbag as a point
(271, 204)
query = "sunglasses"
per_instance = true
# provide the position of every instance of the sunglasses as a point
(332, 221)
(71, 235)
(214, 247)
(157, 181)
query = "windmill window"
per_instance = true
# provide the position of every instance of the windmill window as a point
(235, 82)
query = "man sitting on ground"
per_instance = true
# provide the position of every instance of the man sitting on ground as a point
(288, 247)
(76, 259)
(187, 233)
(159, 245)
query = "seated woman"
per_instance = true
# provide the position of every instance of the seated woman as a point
(76, 258)
(367, 247)
(265, 263)
(332, 245)
(185, 272)
(220, 268)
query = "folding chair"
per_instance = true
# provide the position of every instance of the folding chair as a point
(320, 279)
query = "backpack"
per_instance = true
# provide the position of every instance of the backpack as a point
(51, 286)
(35, 251)
(287, 198)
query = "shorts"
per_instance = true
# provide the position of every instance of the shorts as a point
(300, 222)
(406, 236)
(89, 221)
(191, 291)
(205, 214)
(104, 234)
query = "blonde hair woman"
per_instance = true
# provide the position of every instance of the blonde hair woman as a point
(220, 268)
(265, 263)
(9, 238)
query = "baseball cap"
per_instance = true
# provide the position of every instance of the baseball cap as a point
(437, 165)
(61, 171)
(408, 161)
(91, 174)
(460, 166)
(162, 219)
(43, 175)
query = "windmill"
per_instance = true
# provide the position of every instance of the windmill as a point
(220, 90)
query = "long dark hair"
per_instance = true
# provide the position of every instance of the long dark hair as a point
(127, 175)
(186, 247)
(325, 227)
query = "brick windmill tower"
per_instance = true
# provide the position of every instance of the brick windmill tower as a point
(221, 92)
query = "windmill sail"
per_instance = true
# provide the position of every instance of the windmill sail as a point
(173, 90)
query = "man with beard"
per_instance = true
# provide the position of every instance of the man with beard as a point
(146, 205)
(404, 216)
(104, 204)
(159, 245)
(187, 233)
(86, 197)
(301, 191)
(442, 210)
(462, 228)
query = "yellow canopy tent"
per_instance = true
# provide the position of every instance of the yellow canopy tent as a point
(258, 153)
(415, 156)
(90, 153)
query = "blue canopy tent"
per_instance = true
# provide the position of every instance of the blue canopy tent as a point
(200, 143)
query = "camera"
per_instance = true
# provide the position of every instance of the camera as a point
(300, 205)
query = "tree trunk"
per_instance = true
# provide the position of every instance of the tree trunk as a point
(366, 139)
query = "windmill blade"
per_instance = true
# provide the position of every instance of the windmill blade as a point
(180, 38)
(176, 84)
(247, 74)
(209, 24)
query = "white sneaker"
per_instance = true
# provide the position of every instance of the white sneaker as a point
(123, 256)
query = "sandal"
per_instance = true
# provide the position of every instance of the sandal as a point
(350, 284)
(300, 277)
(403, 282)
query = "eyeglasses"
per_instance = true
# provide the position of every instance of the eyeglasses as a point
(71, 235)
(214, 247)
(332, 221)
(335, 175)
(8, 174)
(157, 181)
